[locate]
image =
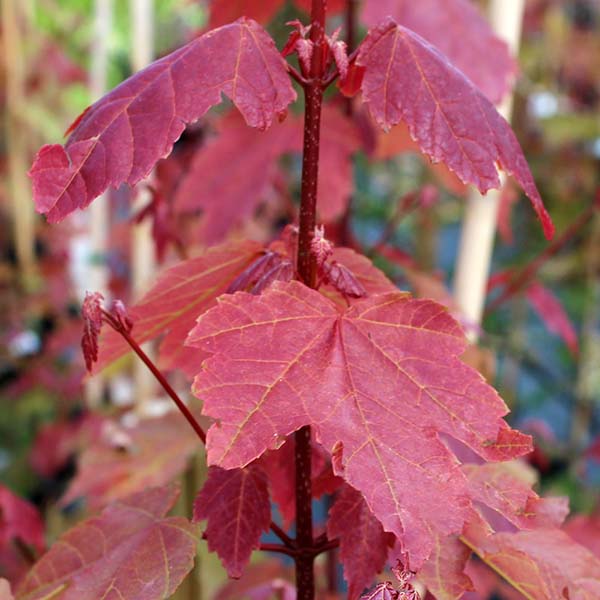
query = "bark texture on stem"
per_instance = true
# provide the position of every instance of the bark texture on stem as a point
(304, 559)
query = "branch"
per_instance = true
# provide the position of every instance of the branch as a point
(157, 374)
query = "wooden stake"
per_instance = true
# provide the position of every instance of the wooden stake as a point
(99, 211)
(142, 256)
(19, 189)
(479, 226)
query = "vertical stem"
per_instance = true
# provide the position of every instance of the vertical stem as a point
(479, 225)
(305, 581)
(13, 19)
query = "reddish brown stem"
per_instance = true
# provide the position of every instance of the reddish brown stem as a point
(530, 271)
(313, 90)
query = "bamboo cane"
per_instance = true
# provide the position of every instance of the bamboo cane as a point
(479, 225)
(99, 212)
(142, 255)
(13, 20)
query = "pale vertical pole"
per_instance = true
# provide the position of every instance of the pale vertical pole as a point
(142, 255)
(99, 211)
(479, 225)
(19, 189)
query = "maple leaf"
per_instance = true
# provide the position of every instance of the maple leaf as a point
(543, 564)
(443, 573)
(459, 31)
(364, 544)
(172, 306)
(379, 381)
(108, 470)
(251, 157)
(96, 559)
(407, 79)
(236, 504)
(121, 137)
(553, 314)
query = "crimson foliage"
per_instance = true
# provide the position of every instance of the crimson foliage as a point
(409, 439)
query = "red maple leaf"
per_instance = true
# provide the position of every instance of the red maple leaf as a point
(407, 79)
(459, 31)
(364, 544)
(379, 381)
(236, 504)
(96, 558)
(19, 519)
(122, 136)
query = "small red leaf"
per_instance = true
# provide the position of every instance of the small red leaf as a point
(236, 504)
(343, 280)
(407, 79)
(386, 381)
(130, 551)
(459, 31)
(91, 311)
(121, 137)
(553, 314)
(364, 544)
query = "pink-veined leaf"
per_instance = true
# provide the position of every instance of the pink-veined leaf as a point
(497, 487)
(553, 315)
(125, 460)
(364, 544)
(459, 31)
(236, 504)
(379, 381)
(121, 137)
(407, 79)
(228, 196)
(178, 297)
(443, 573)
(543, 564)
(129, 552)
(382, 591)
